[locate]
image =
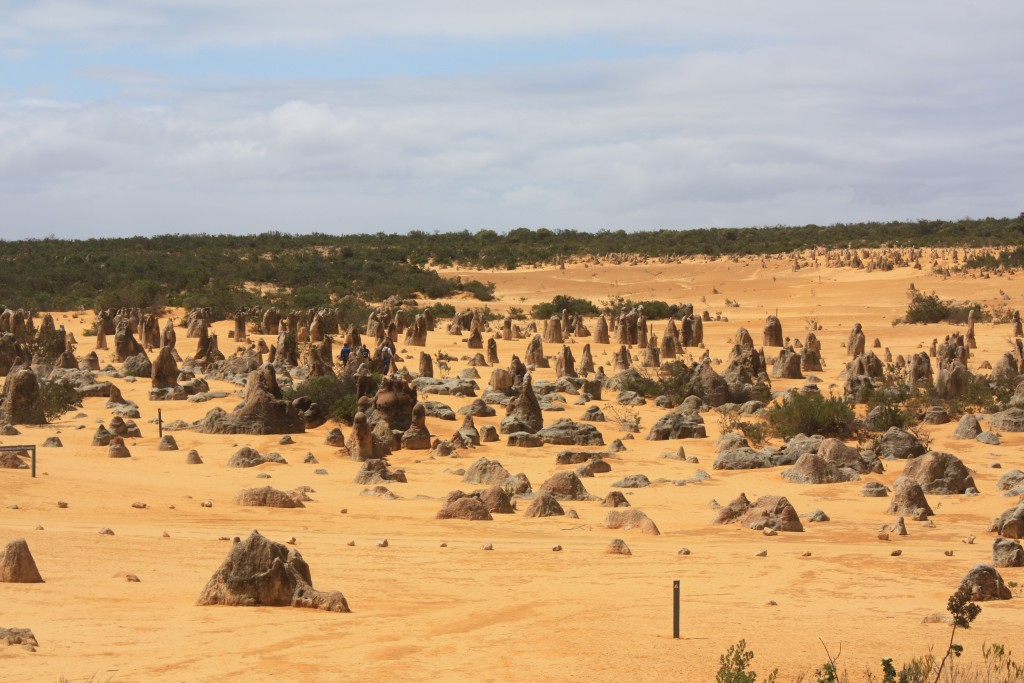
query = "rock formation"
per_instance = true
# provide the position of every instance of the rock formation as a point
(259, 572)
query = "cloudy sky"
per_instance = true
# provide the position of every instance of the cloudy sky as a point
(124, 117)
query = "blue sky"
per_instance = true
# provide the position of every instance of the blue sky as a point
(153, 116)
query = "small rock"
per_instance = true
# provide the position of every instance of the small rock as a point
(768, 531)
(350, 543)
(166, 535)
(883, 536)
(320, 471)
(127, 576)
(383, 543)
(207, 504)
(344, 511)
(444, 545)
(557, 549)
(263, 475)
(107, 531)
(763, 553)
(683, 551)
(139, 506)
(39, 527)
(948, 553)
(618, 547)
(291, 541)
(487, 546)
(61, 504)
(772, 603)
(969, 540)
(896, 553)
(807, 553)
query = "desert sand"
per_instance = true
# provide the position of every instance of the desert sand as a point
(521, 612)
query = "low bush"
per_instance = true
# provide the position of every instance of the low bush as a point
(810, 414)
(58, 398)
(924, 309)
(653, 309)
(563, 302)
(336, 395)
(482, 291)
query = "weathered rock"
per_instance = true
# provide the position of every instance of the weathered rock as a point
(565, 432)
(417, 437)
(1010, 523)
(22, 401)
(1007, 553)
(523, 411)
(260, 572)
(631, 519)
(117, 449)
(267, 496)
(1011, 420)
(485, 471)
(164, 373)
(19, 636)
(874, 489)
(941, 473)
(459, 505)
(250, 457)
(967, 428)
(13, 461)
(633, 481)
(375, 471)
(496, 500)
(741, 459)
(263, 411)
(1010, 480)
(17, 564)
(335, 438)
(617, 547)
(544, 505)
(897, 444)
(769, 512)
(565, 486)
(908, 498)
(678, 424)
(193, 458)
(985, 583)
(362, 444)
(615, 499)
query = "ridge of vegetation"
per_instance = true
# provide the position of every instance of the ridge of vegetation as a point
(195, 269)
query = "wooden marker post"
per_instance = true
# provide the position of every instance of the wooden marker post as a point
(675, 609)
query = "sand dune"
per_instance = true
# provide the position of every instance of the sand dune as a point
(520, 612)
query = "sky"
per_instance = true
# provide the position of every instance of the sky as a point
(140, 117)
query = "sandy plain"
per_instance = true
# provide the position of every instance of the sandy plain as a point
(422, 612)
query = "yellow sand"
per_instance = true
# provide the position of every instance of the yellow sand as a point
(422, 612)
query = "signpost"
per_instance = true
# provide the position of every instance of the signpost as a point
(675, 609)
(20, 449)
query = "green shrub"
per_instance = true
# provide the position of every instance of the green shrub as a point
(676, 380)
(653, 309)
(733, 666)
(810, 414)
(336, 395)
(564, 302)
(440, 311)
(929, 308)
(58, 398)
(483, 292)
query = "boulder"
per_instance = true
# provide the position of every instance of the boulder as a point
(496, 500)
(375, 471)
(459, 505)
(485, 471)
(615, 499)
(250, 457)
(267, 496)
(741, 459)
(908, 499)
(633, 481)
(1007, 553)
(898, 444)
(565, 486)
(1010, 480)
(985, 583)
(967, 428)
(523, 411)
(260, 572)
(544, 505)
(631, 519)
(13, 461)
(769, 512)
(941, 473)
(263, 411)
(1010, 523)
(1011, 420)
(617, 547)
(565, 432)
(17, 564)
(678, 424)
(22, 401)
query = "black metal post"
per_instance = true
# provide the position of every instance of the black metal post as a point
(33, 462)
(675, 609)
(160, 421)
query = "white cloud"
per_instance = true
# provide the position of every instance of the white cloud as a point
(787, 113)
